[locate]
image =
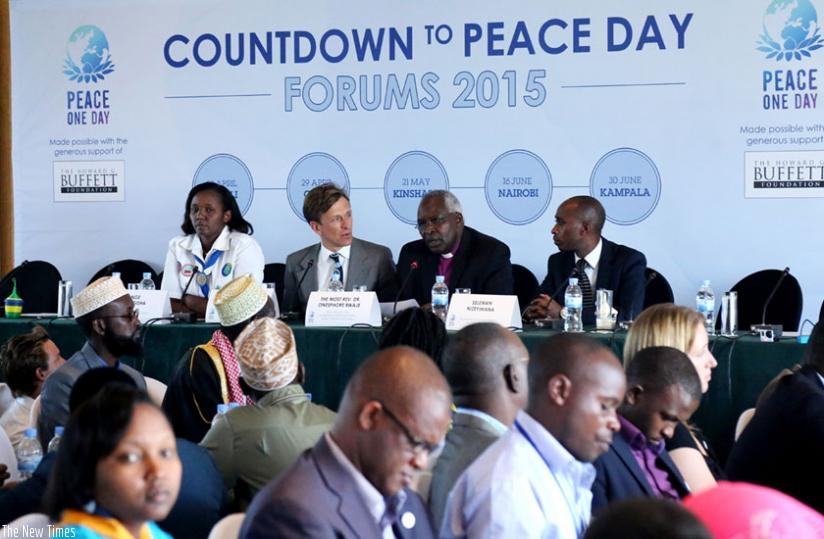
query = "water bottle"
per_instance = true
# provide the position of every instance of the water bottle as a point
(574, 305)
(233, 405)
(440, 297)
(54, 444)
(29, 453)
(221, 410)
(147, 283)
(705, 304)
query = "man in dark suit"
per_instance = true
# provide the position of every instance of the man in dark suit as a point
(354, 482)
(577, 233)
(485, 366)
(464, 256)
(781, 446)
(663, 390)
(327, 210)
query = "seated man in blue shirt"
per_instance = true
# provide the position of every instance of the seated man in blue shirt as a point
(663, 390)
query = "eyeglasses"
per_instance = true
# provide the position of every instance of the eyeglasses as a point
(423, 224)
(129, 316)
(418, 446)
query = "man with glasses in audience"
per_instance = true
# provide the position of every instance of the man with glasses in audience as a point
(465, 257)
(107, 316)
(354, 481)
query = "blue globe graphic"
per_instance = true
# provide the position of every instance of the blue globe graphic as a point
(790, 22)
(87, 55)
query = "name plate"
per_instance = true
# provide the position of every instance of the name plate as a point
(152, 304)
(342, 309)
(466, 309)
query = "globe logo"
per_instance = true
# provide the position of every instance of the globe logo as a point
(87, 55)
(791, 30)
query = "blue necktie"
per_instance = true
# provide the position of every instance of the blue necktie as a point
(337, 274)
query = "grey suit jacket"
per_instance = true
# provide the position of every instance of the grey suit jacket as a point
(54, 398)
(370, 264)
(317, 498)
(469, 437)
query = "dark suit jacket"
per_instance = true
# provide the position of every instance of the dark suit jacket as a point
(781, 447)
(619, 477)
(481, 263)
(316, 498)
(369, 263)
(468, 438)
(620, 269)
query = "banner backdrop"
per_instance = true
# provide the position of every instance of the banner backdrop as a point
(697, 124)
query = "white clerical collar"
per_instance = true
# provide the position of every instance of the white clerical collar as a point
(593, 256)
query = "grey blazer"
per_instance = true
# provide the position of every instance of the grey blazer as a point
(54, 398)
(469, 437)
(370, 264)
(316, 497)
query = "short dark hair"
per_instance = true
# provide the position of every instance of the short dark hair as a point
(559, 354)
(590, 209)
(319, 199)
(646, 518)
(21, 356)
(474, 359)
(658, 367)
(92, 434)
(420, 329)
(237, 222)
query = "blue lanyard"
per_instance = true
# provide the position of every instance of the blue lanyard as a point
(580, 524)
(206, 268)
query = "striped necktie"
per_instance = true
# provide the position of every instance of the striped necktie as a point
(337, 273)
(586, 287)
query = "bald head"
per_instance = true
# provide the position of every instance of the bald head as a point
(485, 365)
(576, 385)
(395, 409)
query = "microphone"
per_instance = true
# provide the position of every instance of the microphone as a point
(777, 329)
(292, 312)
(195, 271)
(565, 283)
(412, 267)
(555, 324)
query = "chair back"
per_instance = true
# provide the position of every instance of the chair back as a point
(658, 289)
(525, 285)
(37, 283)
(753, 290)
(743, 420)
(131, 271)
(274, 273)
(156, 390)
(228, 527)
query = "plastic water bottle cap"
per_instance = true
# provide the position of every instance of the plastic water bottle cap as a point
(803, 339)
(147, 275)
(58, 430)
(706, 282)
(573, 281)
(30, 432)
(439, 278)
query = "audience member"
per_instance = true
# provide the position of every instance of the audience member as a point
(202, 500)
(216, 246)
(744, 511)
(418, 328)
(536, 479)
(353, 261)
(208, 374)
(663, 390)
(593, 259)
(485, 366)
(783, 441)
(117, 469)
(646, 518)
(106, 314)
(465, 257)
(252, 444)
(27, 359)
(353, 482)
(682, 328)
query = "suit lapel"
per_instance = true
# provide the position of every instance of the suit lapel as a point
(310, 283)
(605, 266)
(459, 263)
(621, 448)
(351, 508)
(358, 265)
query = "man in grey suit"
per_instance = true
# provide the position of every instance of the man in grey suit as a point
(485, 366)
(105, 313)
(354, 482)
(339, 257)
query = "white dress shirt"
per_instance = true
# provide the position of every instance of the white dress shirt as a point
(17, 419)
(592, 263)
(517, 489)
(326, 266)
